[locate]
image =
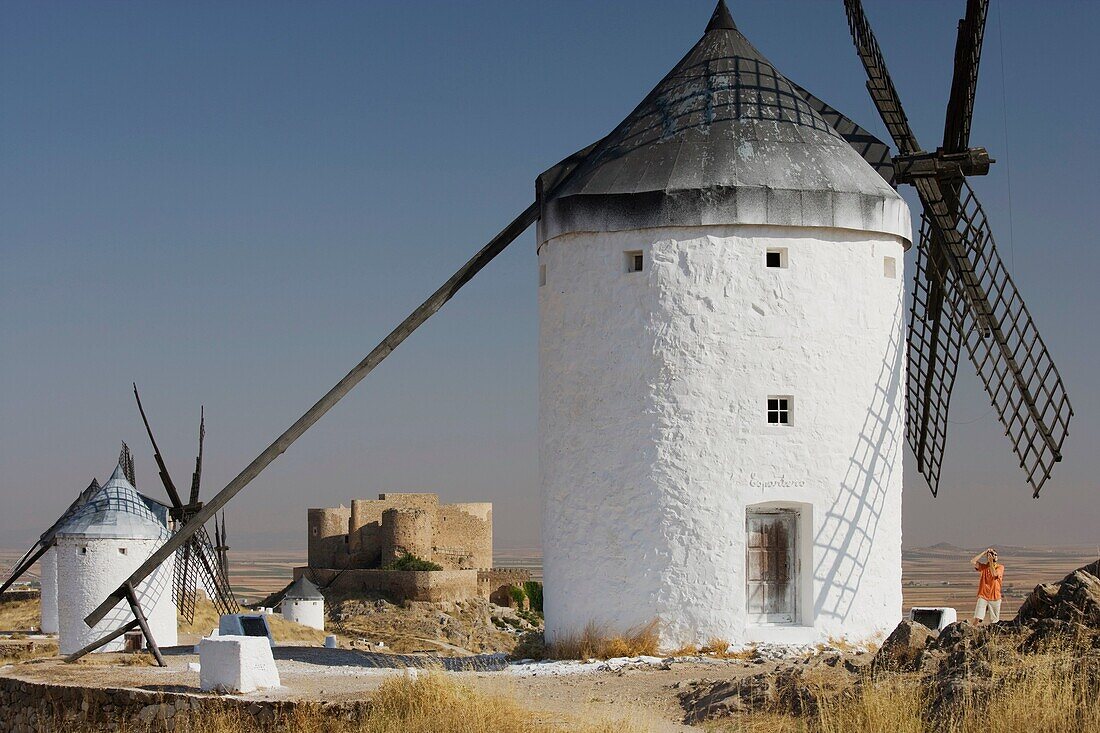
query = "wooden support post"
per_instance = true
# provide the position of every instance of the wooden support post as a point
(135, 607)
(102, 642)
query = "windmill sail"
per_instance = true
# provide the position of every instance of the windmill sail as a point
(196, 559)
(963, 292)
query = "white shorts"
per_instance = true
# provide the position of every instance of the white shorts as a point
(994, 608)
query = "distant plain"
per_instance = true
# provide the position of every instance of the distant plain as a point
(939, 575)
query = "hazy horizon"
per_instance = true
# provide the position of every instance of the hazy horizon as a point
(232, 203)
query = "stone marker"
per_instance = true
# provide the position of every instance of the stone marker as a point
(236, 664)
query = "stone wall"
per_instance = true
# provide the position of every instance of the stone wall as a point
(495, 583)
(397, 585)
(464, 536)
(31, 707)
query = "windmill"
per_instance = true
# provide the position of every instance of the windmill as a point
(198, 557)
(964, 296)
(46, 540)
(722, 82)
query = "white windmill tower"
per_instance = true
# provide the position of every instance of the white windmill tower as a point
(721, 366)
(105, 540)
(303, 604)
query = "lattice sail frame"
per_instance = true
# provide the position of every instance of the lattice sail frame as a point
(933, 360)
(196, 557)
(962, 275)
(999, 334)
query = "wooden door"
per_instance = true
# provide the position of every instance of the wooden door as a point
(771, 577)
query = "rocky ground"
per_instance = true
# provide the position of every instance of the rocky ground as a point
(474, 626)
(962, 664)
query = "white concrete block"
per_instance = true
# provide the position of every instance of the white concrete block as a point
(237, 664)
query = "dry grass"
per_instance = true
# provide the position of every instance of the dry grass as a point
(20, 615)
(118, 659)
(432, 703)
(717, 648)
(207, 618)
(596, 642)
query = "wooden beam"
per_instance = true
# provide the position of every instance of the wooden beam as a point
(416, 319)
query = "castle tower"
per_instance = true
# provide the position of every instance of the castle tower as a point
(104, 542)
(721, 367)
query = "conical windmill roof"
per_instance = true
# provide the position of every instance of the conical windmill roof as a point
(303, 590)
(724, 138)
(117, 510)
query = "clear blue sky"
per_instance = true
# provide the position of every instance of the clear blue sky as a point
(231, 203)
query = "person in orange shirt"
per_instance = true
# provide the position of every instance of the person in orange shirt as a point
(989, 586)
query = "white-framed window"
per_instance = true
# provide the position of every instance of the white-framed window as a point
(780, 409)
(542, 275)
(635, 260)
(890, 267)
(776, 258)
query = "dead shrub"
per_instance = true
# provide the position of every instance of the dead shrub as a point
(597, 642)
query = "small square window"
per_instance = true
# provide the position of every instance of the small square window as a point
(889, 267)
(122, 550)
(779, 410)
(776, 257)
(83, 550)
(635, 261)
(542, 275)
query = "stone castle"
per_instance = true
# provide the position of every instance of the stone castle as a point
(375, 532)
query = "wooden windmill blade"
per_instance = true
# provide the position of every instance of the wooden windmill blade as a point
(879, 83)
(426, 310)
(1002, 340)
(963, 276)
(165, 478)
(196, 477)
(933, 358)
(964, 81)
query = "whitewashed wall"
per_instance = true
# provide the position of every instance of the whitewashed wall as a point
(653, 436)
(48, 607)
(85, 580)
(306, 612)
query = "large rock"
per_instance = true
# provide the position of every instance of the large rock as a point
(706, 700)
(1076, 598)
(904, 648)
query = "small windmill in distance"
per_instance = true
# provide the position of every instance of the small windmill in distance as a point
(198, 556)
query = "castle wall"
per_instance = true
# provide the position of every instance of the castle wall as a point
(464, 536)
(433, 586)
(328, 537)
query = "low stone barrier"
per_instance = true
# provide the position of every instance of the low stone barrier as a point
(433, 586)
(34, 707)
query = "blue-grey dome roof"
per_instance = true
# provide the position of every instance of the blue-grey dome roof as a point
(117, 510)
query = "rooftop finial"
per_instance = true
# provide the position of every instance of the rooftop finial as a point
(721, 20)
